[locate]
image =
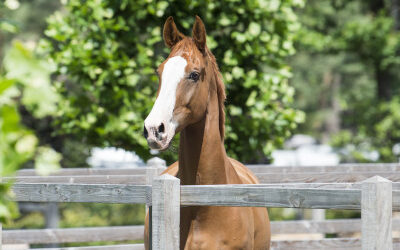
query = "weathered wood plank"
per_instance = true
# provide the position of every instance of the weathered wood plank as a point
(104, 193)
(345, 185)
(325, 226)
(260, 168)
(155, 166)
(265, 178)
(121, 233)
(69, 235)
(324, 177)
(93, 234)
(376, 214)
(308, 185)
(111, 247)
(325, 244)
(245, 195)
(165, 213)
(87, 171)
(82, 179)
(231, 195)
(344, 168)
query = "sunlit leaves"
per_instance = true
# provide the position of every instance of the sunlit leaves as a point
(34, 75)
(26, 82)
(47, 160)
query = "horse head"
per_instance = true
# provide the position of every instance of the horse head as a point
(184, 85)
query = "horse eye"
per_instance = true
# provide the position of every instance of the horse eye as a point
(194, 76)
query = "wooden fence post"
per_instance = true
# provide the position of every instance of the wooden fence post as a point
(52, 218)
(155, 166)
(376, 214)
(166, 212)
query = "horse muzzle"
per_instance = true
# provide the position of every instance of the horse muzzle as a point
(159, 136)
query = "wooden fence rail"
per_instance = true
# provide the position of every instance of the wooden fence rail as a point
(342, 168)
(98, 193)
(264, 178)
(111, 247)
(218, 195)
(376, 209)
(371, 197)
(125, 233)
(204, 195)
(73, 235)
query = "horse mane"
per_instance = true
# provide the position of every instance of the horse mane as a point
(188, 43)
(220, 92)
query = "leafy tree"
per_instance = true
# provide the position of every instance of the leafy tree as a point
(24, 82)
(106, 53)
(24, 79)
(25, 20)
(346, 74)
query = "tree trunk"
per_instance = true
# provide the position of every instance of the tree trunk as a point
(395, 11)
(333, 125)
(383, 79)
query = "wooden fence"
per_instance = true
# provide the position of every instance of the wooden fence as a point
(134, 185)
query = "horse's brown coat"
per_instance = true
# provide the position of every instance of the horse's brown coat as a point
(199, 111)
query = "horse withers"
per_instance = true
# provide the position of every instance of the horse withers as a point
(190, 100)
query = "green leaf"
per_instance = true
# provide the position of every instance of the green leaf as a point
(254, 29)
(5, 84)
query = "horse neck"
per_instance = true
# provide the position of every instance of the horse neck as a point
(202, 155)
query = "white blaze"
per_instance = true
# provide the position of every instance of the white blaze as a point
(174, 71)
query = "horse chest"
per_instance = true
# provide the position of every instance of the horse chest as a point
(224, 228)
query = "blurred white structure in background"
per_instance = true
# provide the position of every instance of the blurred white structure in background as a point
(302, 150)
(113, 158)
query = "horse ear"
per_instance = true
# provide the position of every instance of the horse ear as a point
(199, 34)
(171, 34)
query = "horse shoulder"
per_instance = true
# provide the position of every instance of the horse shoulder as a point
(244, 173)
(262, 230)
(172, 169)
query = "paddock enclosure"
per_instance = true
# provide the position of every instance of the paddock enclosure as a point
(372, 188)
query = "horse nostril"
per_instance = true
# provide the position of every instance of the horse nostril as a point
(161, 128)
(145, 133)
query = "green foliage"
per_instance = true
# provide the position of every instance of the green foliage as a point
(30, 220)
(380, 136)
(347, 67)
(106, 53)
(92, 215)
(277, 214)
(86, 215)
(24, 80)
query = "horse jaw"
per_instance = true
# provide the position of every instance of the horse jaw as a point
(162, 111)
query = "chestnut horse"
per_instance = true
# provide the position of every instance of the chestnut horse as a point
(190, 100)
